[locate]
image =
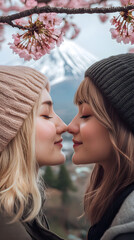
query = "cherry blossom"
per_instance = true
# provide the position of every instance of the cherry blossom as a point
(114, 33)
(29, 3)
(69, 3)
(70, 28)
(124, 27)
(126, 2)
(103, 17)
(76, 31)
(77, 4)
(58, 3)
(40, 37)
(7, 6)
(42, 32)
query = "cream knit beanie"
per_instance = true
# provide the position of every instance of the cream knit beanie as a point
(19, 89)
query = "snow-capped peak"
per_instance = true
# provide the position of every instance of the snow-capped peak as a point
(68, 60)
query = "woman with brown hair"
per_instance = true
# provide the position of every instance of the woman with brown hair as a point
(30, 137)
(103, 134)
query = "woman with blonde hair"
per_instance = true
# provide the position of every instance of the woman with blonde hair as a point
(103, 134)
(30, 137)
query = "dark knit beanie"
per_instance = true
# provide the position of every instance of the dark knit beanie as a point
(114, 76)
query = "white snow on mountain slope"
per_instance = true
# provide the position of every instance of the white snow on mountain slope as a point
(67, 61)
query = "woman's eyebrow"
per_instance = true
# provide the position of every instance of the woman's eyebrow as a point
(50, 103)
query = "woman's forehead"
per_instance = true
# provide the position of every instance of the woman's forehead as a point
(45, 96)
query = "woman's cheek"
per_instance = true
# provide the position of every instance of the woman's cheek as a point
(45, 130)
(91, 129)
(86, 131)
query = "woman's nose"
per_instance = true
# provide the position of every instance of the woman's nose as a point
(61, 126)
(73, 127)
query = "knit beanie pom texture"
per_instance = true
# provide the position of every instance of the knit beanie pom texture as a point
(19, 90)
(114, 76)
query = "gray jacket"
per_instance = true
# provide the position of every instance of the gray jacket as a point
(122, 227)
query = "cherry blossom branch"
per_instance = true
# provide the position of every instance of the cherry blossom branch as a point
(17, 26)
(42, 32)
(48, 9)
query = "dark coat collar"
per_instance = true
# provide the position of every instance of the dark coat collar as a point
(38, 232)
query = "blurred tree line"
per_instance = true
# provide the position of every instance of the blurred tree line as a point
(62, 181)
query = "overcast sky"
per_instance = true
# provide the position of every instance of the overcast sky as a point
(95, 37)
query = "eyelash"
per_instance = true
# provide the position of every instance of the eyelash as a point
(85, 116)
(47, 117)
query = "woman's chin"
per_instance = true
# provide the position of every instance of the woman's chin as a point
(59, 159)
(76, 160)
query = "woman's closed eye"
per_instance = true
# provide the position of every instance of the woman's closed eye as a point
(46, 116)
(85, 116)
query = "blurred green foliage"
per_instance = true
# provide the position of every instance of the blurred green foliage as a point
(62, 181)
(49, 177)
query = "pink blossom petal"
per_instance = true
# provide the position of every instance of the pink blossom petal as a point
(103, 17)
(114, 33)
(132, 38)
(126, 40)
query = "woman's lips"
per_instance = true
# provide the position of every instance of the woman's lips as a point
(76, 143)
(59, 143)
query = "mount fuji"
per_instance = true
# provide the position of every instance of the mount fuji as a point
(64, 68)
